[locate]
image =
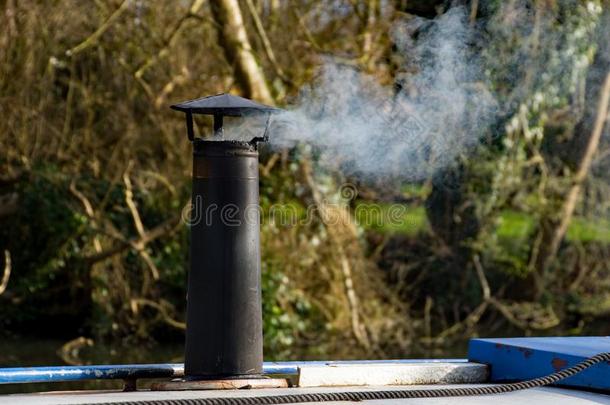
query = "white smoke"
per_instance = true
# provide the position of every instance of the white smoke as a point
(368, 130)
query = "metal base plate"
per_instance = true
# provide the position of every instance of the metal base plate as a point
(222, 384)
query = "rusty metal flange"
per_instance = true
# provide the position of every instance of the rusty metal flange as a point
(221, 384)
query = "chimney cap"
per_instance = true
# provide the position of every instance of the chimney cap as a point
(224, 104)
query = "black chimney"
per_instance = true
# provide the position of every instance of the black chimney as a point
(224, 336)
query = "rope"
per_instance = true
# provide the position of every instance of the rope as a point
(381, 395)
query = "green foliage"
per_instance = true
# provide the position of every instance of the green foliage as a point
(44, 267)
(286, 313)
(391, 218)
(78, 124)
(585, 230)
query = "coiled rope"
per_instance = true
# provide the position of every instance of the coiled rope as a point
(381, 395)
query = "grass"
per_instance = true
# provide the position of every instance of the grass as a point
(518, 225)
(410, 220)
(392, 218)
(587, 230)
(515, 225)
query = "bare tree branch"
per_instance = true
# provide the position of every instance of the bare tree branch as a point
(7, 272)
(69, 351)
(266, 43)
(88, 210)
(478, 312)
(163, 311)
(164, 228)
(587, 135)
(92, 39)
(569, 203)
(169, 40)
(139, 246)
(358, 329)
(474, 8)
(233, 37)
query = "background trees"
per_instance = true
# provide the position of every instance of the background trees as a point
(512, 238)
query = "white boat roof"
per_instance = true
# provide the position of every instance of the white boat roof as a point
(547, 395)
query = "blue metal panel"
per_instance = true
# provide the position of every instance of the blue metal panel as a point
(517, 359)
(136, 371)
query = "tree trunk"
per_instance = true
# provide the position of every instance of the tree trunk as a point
(367, 32)
(233, 37)
(587, 135)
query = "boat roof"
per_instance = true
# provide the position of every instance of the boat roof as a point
(554, 396)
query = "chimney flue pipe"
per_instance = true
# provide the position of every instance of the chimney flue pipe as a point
(224, 336)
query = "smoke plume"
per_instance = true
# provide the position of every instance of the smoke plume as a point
(364, 129)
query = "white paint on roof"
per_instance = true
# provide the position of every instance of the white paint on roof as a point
(391, 374)
(551, 396)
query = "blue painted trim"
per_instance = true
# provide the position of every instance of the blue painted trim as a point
(19, 375)
(79, 373)
(518, 359)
